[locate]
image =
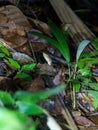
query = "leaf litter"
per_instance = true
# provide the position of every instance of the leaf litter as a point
(24, 49)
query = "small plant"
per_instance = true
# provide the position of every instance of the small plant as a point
(20, 69)
(80, 70)
(17, 111)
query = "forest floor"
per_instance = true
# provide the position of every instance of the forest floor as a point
(72, 108)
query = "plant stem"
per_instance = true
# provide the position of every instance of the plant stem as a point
(74, 98)
(73, 91)
(69, 71)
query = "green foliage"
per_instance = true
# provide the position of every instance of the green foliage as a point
(29, 108)
(95, 97)
(14, 120)
(14, 63)
(85, 71)
(4, 49)
(95, 42)
(80, 70)
(36, 97)
(24, 75)
(24, 106)
(81, 48)
(60, 43)
(87, 62)
(27, 67)
(2, 55)
(6, 99)
(76, 85)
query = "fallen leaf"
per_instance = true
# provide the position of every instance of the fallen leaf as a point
(22, 58)
(59, 78)
(37, 84)
(37, 43)
(46, 69)
(81, 120)
(41, 26)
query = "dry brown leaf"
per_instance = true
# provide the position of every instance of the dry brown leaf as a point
(81, 120)
(14, 14)
(5, 83)
(46, 69)
(93, 116)
(59, 78)
(40, 26)
(22, 58)
(37, 85)
(37, 43)
(14, 25)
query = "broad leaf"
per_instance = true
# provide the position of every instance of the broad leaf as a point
(85, 80)
(61, 40)
(95, 97)
(76, 85)
(93, 53)
(36, 97)
(12, 120)
(95, 42)
(29, 108)
(2, 55)
(86, 71)
(94, 85)
(28, 66)
(60, 43)
(81, 47)
(24, 76)
(47, 38)
(4, 50)
(87, 62)
(6, 98)
(14, 63)
(89, 54)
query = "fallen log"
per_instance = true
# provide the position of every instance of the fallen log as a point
(75, 27)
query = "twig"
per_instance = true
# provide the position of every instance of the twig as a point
(67, 115)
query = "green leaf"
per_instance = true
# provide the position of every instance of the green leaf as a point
(60, 43)
(81, 47)
(61, 40)
(34, 125)
(89, 54)
(13, 63)
(2, 55)
(6, 98)
(80, 64)
(4, 50)
(86, 62)
(36, 97)
(28, 66)
(24, 76)
(49, 39)
(85, 81)
(94, 85)
(12, 120)
(86, 71)
(29, 108)
(76, 85)
(95, 97)
(95, 42)
(93, 53)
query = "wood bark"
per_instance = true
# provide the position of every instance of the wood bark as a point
(75, 27)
